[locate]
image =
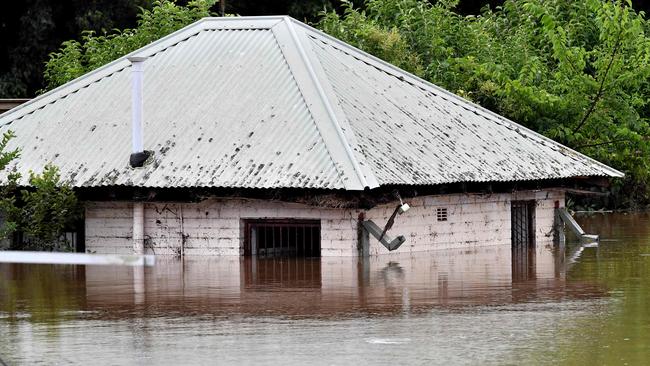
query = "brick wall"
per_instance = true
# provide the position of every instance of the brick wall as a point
(472, 220)
(213, 227)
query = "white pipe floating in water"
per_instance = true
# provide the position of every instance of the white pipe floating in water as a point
(76, 258)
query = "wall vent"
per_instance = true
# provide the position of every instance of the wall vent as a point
(441, 213)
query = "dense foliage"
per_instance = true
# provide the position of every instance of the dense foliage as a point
(31, 29)
(41, 212)
(76, 58)
(574, 71)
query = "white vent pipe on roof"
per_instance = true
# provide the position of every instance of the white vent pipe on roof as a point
(138, 155)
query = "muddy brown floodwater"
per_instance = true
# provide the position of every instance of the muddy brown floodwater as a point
(584, 306)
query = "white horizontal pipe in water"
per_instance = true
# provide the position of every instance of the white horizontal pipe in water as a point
(76, 258)
(137, 66)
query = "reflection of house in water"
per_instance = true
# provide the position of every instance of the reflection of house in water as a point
(295, 287)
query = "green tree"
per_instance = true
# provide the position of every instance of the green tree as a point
(8, 209)
(40, 212)
(76, 58)
(48, 208)
(574, 71)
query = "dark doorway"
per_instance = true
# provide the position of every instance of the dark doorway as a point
(275, 238)
(523, 239)
(523, 224)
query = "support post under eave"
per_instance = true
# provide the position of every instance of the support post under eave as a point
(138, 227)
(364, 237)
(558, 227)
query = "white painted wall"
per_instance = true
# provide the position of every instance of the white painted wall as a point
(473, 220)
(213, 227)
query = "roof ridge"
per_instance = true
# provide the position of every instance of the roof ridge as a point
(441, 92)
(319, 104)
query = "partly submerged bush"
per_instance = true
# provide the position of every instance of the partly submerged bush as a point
(36, 215)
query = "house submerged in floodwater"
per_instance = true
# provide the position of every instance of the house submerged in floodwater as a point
(264, 136)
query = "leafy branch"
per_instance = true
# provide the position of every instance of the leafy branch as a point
(601, 88)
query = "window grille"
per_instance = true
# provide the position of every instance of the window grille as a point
(282, 238)
(523, 224)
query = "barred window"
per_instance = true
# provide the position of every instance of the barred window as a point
(282, 238)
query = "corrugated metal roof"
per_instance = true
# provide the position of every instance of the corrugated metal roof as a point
(268, 102)
(221, 109)
(411, 135)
